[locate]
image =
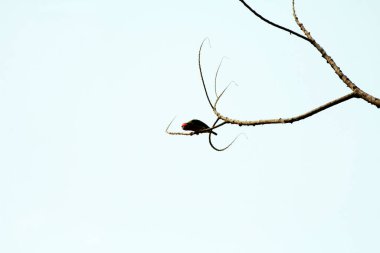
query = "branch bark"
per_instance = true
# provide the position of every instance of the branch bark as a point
(287, 120)
(362, 94)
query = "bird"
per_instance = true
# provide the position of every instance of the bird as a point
(196, 126)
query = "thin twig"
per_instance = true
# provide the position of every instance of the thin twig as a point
(176, 133)
(272, 23)
(216, 75)
(200, 70)
(221, 94)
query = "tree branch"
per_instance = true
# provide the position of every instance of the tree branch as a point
(287, 120)
(356, 91)
(362, 94)
(367, 97)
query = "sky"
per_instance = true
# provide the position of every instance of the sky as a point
(87, 89)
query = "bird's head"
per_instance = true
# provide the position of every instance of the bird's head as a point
(184, 125)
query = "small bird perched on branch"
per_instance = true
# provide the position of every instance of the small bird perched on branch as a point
(196, 126)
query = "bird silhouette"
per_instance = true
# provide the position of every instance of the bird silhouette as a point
(196, 126)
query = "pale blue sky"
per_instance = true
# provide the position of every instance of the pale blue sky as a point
(87, 89)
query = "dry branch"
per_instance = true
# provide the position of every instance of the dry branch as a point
(367, 97)
(287, 120)
(356, 91)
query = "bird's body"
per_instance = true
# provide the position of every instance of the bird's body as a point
(196, 126)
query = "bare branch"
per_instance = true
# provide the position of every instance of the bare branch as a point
(362, 94)
(287, 120)
(272, 23)
(367, 97)
(356, 91)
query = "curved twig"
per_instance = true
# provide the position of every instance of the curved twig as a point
(212, 145)
(272, 23)
(200, 70)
